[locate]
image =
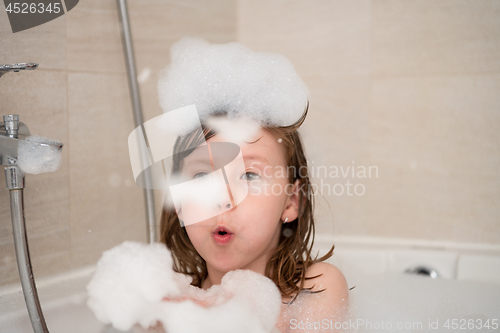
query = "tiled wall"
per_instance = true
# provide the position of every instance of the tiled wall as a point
(410, 87)
(79, 96)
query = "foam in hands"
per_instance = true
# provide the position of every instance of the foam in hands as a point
(134, 283)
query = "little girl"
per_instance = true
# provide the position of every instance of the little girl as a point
(271, 231)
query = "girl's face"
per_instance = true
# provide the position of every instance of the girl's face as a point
(244, 236)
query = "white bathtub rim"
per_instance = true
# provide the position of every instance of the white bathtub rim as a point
(393, 243)
(322, 243)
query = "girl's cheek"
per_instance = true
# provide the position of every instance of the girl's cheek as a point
(258, 187)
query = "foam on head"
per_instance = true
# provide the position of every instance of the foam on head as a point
(36, 154)
(238, 131)
(230, 78)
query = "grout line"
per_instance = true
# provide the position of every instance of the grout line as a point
(401, 75)
(237, 27)
(68, 137)
(86, 71)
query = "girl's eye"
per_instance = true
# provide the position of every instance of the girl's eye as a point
(200, 174)
(249, 176)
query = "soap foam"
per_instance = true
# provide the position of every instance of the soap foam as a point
(128, 283)
(230, 78)
(38, 155)
(135, 284)
(238, 131)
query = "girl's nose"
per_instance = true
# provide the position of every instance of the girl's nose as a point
(223, 207)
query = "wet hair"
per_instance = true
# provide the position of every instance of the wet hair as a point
(291, 258)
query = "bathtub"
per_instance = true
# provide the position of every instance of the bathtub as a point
(464, 298)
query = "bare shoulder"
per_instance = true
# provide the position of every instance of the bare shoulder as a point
(328, 277)
(330, 304)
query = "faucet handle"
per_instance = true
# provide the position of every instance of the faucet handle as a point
(11, 129)
(11, 123)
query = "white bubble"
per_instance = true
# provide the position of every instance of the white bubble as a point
(144, 75)
(115, 180)
(7, 260)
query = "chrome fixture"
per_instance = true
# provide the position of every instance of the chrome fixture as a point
(4, 69)
(423, 270)
(11, 131)
(128, 51)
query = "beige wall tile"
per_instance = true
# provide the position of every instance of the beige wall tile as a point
(106, 205)
(157, 25)
(8, 265)
(44, 44)
(436, 143)
(435, 37)
(336, 138)
(319, 37)
(49, 255)
(93, 37)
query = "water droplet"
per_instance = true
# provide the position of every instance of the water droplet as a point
(115, 180)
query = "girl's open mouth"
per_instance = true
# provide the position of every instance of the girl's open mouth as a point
(221, 235)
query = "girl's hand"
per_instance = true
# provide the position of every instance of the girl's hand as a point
(158, 328)
(205, 302)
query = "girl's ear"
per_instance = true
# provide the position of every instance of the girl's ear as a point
(291, 211)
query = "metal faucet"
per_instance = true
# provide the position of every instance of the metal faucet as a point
(11, 130)
(4, 69)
